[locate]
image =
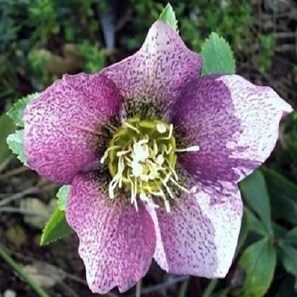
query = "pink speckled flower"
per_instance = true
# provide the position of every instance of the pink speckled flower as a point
(153, 153)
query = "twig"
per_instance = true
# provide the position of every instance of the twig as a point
(17, 196)
(21, 273)
(67, 274)
(6, 162)
(29, 191)
(22, 211)
(284, 34)
(162, 286)
(69, 289)
(13, 172)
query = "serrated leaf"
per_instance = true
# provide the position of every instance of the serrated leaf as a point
(282, 194)
(62, 196)
(258, 262)
(168, 16)
(16, 111)
(217, 56)
(56, 228)
(289, 258)
(256, 196)
(6, 127)
(15, 143)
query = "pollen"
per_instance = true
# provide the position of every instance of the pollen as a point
(141, 159)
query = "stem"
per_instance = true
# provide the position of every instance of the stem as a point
(21, 273)
(138, 289)
(183, 288)
(13, 172)
(210, 288)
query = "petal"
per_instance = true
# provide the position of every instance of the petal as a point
(63, 126)
(199, 235)
(235, 124)
(154, 76)
(117, 242)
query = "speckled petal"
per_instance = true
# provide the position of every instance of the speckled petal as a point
(235, 124)
(63, 126)
(154, 76)
(199, 235)
(117, 243)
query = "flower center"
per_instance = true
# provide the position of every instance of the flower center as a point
(142, 158)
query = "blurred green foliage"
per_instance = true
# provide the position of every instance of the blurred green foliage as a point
(196, 19)
(266, 51)
(40, 38)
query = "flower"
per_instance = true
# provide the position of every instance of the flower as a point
(153, 153)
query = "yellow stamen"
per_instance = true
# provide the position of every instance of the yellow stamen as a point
(105, 155)
(142, 157)
(194, 148)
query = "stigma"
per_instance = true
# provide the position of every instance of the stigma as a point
(141, 159)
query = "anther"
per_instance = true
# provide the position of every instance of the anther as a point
(132, 127)
(194, 148)
(169, 134)
(161, 128)
(105, 155)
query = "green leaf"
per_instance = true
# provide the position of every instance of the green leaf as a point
(291, 236)
(253, 223)
(168, 16)
(244, 231)
(16, 111)
(258, 261)
(279, 231)
(6, 127)
(56, 228)
(256, 196)
(217, 56)
(15, 143)
(282, 194)
(62, 196)
(289, 258)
